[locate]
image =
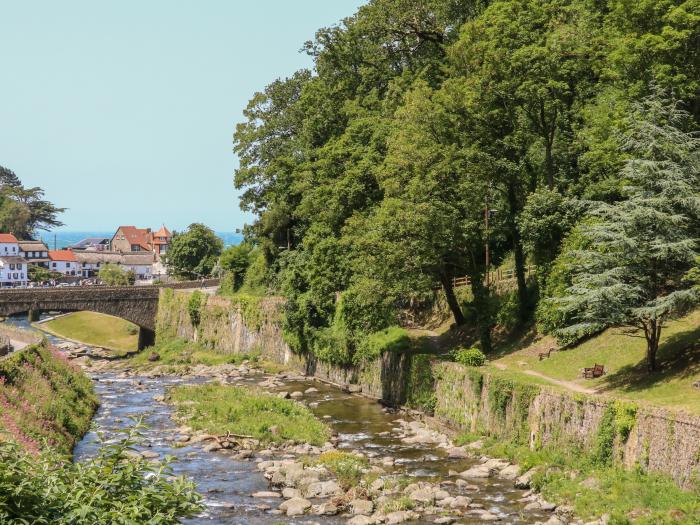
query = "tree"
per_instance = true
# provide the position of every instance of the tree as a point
(39, 274)
(235, 260)
(194, 253)
(640, 249)
(24, 210)
(115, 275)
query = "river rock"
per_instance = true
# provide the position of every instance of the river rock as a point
(480, 471)
(149, 454)
(326, 508)
(488, 516)
(457, 453)
(311, 390)
(361, 520)
(444, 520)
(202, 437)
(423, 496)
(524, 481)
(295, 506)
(555, 520)
(460, 502)
(353, 389)
(266, 494)
(400, 516)
(289, 493)
(510, 472)
(283, 395)
(212, 447)
(361, 506)
(322, 489)
(296, 395)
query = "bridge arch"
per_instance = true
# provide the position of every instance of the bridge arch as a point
(136, 304)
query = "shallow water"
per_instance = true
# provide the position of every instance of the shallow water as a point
(227, 484)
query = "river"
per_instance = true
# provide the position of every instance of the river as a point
(227, 484)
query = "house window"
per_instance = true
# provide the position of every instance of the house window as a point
(53, 265)
(12, 266)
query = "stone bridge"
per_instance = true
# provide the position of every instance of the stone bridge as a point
(138, 304)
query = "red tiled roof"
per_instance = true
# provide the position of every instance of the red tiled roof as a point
(62, 255)
(163, 232)
(138, 236)
(7, 237)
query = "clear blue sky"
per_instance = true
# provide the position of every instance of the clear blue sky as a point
(123, 111)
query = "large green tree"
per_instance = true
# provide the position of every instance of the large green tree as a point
(639, 250)
(193, 254)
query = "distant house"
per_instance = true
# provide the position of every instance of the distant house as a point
(64, 261)
(34, 252)
(9, 245)
(161, 240)
(132, 239)
(13, 271)
(90, 262)
(97, 244)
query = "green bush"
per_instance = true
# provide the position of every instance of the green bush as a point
(469, 356)
(114, 487)
(347, 467)
(392, 339)
(194, 307)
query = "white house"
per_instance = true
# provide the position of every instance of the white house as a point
(63, 261)
(90, 262)
(13, 271)
(9, 245)
(35, 252)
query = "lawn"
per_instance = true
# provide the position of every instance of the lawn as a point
(95, 329)
(218, 409)
(623, 357)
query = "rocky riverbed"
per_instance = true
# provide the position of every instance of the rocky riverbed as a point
(412, 473)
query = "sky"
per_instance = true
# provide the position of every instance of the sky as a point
(123, 111)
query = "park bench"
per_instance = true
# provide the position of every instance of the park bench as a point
(544, 355)
(596, 371)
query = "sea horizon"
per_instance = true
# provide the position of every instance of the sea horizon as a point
(59, 239)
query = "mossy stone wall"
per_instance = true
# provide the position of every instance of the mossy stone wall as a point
(612, 430)
(464, 398)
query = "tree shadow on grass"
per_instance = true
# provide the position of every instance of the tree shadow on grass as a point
(678, 358)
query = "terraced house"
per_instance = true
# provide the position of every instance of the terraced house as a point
(13, 271)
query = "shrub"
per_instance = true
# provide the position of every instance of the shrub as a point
(469, 357)
(194, 307)
(348, 468)
(114, 487)
(392, 339)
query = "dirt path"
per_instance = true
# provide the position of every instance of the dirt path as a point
(569, 385)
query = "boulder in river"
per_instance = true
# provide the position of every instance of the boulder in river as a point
(295, 506)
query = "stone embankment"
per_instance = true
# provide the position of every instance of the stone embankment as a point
(463, 398)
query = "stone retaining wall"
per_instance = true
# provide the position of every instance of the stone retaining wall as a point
(465, 398)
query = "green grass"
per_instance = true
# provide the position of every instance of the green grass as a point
(95, 329)
(180, 353)
(623, 358)
(218, 409)
(44, 397)
(629, 496)
(348, 468)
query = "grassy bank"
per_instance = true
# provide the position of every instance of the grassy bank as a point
(95, 329)
(218, 409)
(43, 397)
(594, 487)
(623, 357)
(179, 354)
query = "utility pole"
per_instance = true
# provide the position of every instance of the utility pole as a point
(486, 243)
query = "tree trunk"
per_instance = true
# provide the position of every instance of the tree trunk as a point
(519, 255)
(484, 321)
(653, 336)
(452, 299)
(549, 164)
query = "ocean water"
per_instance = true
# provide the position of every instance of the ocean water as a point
(62, 239)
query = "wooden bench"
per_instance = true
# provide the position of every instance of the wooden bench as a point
(544, 355)
(596, 371)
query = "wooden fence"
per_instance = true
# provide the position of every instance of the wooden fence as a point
(494, 277)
